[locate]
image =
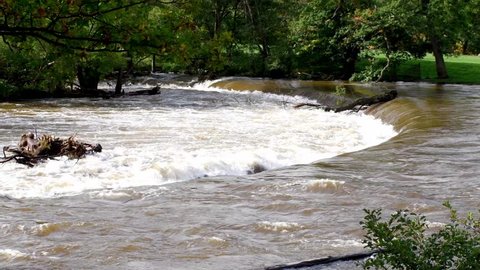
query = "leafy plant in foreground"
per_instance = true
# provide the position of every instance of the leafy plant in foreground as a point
(403, 243)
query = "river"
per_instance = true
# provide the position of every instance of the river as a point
(177, 187)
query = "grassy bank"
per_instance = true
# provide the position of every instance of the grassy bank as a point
(464, 69)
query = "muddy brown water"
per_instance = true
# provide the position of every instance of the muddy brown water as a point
(234, 221)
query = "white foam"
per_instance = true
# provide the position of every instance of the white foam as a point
(434, 224)
(207, 85)
(278, 226)
(217, 241)
(12, 254)
(321, 185)
(179, 137)
(339, 243)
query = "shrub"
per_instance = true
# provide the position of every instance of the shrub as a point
(402, 241)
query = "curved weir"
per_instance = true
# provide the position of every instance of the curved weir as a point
(203, 177)
(183, 134)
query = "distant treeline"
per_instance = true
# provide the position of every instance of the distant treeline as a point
(54, 45)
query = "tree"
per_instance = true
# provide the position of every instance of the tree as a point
(325, 36)
(91, 38)
(79, 25)
(443, 24)
(81, 29)
(219, 37)
(269, 21)
(440, 29)
(417, 27)
(391, 28)
(470, 36)
(30, 65)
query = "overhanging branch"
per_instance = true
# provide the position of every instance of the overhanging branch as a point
(50, 32)
(57, 38)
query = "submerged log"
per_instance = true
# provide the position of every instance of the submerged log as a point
(32, 150)
(154, 91)
(323, 261)
(357, 105)
(99, 93)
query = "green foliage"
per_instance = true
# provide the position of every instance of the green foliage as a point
(52, 39)
(226, 37)
(414, 28)
(44, 43)
(89, 25)
(340, 90)
(370, 70)
(403, 241)
(462, 69)
(32, 65)
(324, 36)
(6, 89)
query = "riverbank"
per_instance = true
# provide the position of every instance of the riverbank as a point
(463, 69)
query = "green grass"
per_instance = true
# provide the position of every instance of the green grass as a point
(464, 69)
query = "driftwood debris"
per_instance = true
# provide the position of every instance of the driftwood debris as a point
(323, 261)
(32, 149)
(154, 91)
(98, 93)
(108, 94)
(357, 105)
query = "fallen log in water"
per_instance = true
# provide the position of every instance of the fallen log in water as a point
(108, 94)
(357, 105)
(99, 93)
(31, 149)
(323, 261)
(154, 91)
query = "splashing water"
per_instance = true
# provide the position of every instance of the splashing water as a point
(185, 133)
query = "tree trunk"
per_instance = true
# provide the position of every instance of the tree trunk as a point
(439, 61)
(88, 79)
(118, 85)
(121, 75)
(348, 66)
(154, 64)
(259, 32)
(465, 47)
(219, 14)
(264, 53)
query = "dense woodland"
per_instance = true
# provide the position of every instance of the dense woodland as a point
(57, 45)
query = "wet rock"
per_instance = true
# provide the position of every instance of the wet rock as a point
(256, 168)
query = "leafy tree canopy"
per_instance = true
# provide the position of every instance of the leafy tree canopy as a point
(88, 25)
(64, 39)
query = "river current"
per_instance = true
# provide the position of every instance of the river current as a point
(227, 174)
